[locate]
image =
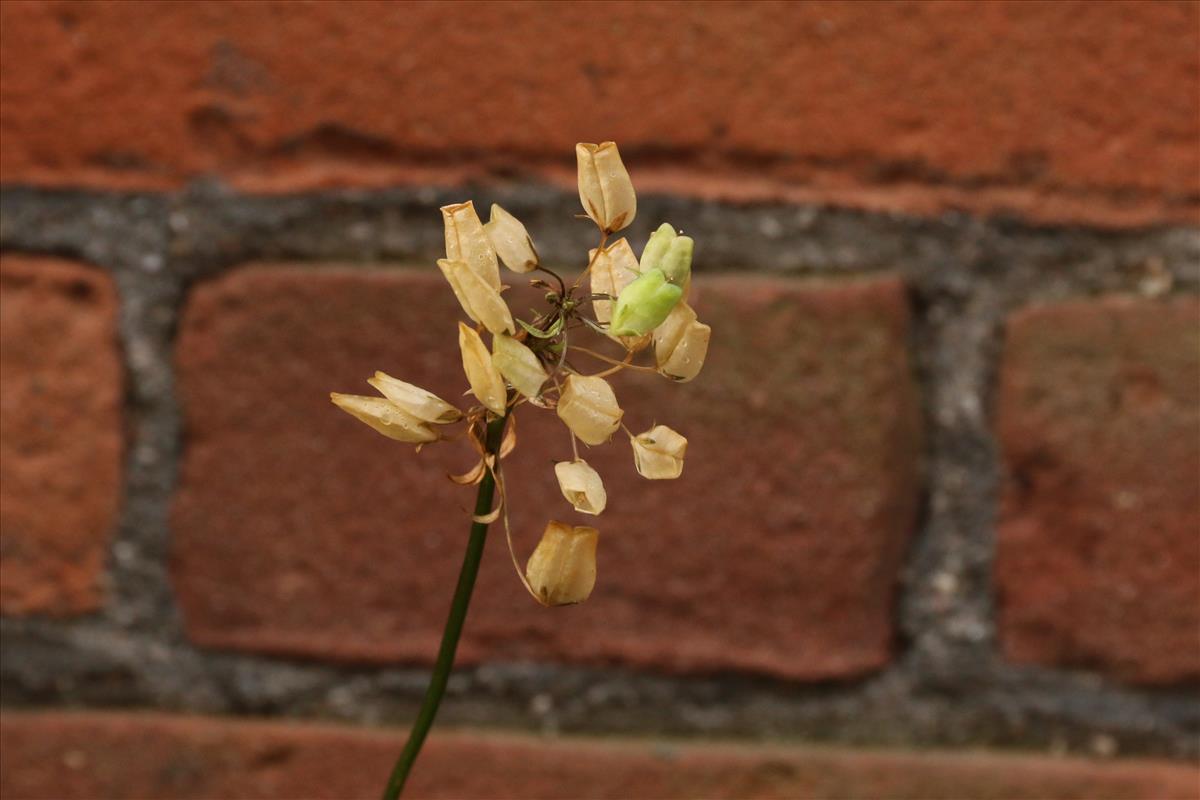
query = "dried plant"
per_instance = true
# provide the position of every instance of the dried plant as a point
(637, 305)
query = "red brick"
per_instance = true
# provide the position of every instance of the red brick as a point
(298, 530)
(87, 755)
(1099, 419)
(1065, 111)
(60, 434)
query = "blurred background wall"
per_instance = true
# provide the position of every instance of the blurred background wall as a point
(943, 486)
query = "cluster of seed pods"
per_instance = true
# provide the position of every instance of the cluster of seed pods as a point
(638, 304)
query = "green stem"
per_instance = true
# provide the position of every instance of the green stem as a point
(454, 623)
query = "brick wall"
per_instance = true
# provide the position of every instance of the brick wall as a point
(944, 473)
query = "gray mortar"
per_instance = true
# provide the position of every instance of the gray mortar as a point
(948, 685)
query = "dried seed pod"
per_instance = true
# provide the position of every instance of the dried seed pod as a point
(486, 383)
(658, 453)
(604, 186)
(644, 304)
(589, 408)
(467, 241)
(518, 365)
(656, 247)
(681, 344)
(481, 302)
(613, 268)
(425, 406)
(386, 417)
(581, 485)
(562, 569)
(511, 241)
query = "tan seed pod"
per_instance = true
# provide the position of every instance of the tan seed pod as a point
(424, 405)
(479, 301)
(511, 241)
(562, 570)
(467, 241)
(658, 453)
(518, 365)
(604, 186)
(681, 344)
(589, 408)
(613, 268)
(386, 417)
(486, 383)
(581, 485)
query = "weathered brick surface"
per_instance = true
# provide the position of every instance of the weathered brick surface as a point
(1085, 111)
(117, 756)
(1099, 553)
(60, 434)
(298, 530)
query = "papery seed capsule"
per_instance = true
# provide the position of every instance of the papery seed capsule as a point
(581, 485)
(425, 406)
(656, 247)
(658, 453)
(644, 304)
(681, 344)
(677, 263)
(486, 383)
(479, 301)
(604, 186)
(385, 416)
(613, 268)
(562, 569)
(589, 408)
(511, 241)
(466, 241)
(518, 364)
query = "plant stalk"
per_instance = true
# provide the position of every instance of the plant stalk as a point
(454, 622)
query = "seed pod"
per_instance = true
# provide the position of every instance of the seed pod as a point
(562, 569)
(511, 241)
(518, 365)
(604, 186)
(479, 301)
(466, 241)
(385, 416)
(581, 485)
(486, 383)
(658, 453)
(677, 263)
(589, 408)
(656, 247)
(613, 268)
(414, 400)
(644, 304)
(681, 344)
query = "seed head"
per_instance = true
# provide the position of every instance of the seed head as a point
(581, 485)
(485, 380)
(658, 453)
(562, 570)
(511, 241)
(681, 344)
(604, 186)
(589, 408)
(518, 364)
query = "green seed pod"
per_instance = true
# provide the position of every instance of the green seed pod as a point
(644, 304)
(677, 263)
(656, 247)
